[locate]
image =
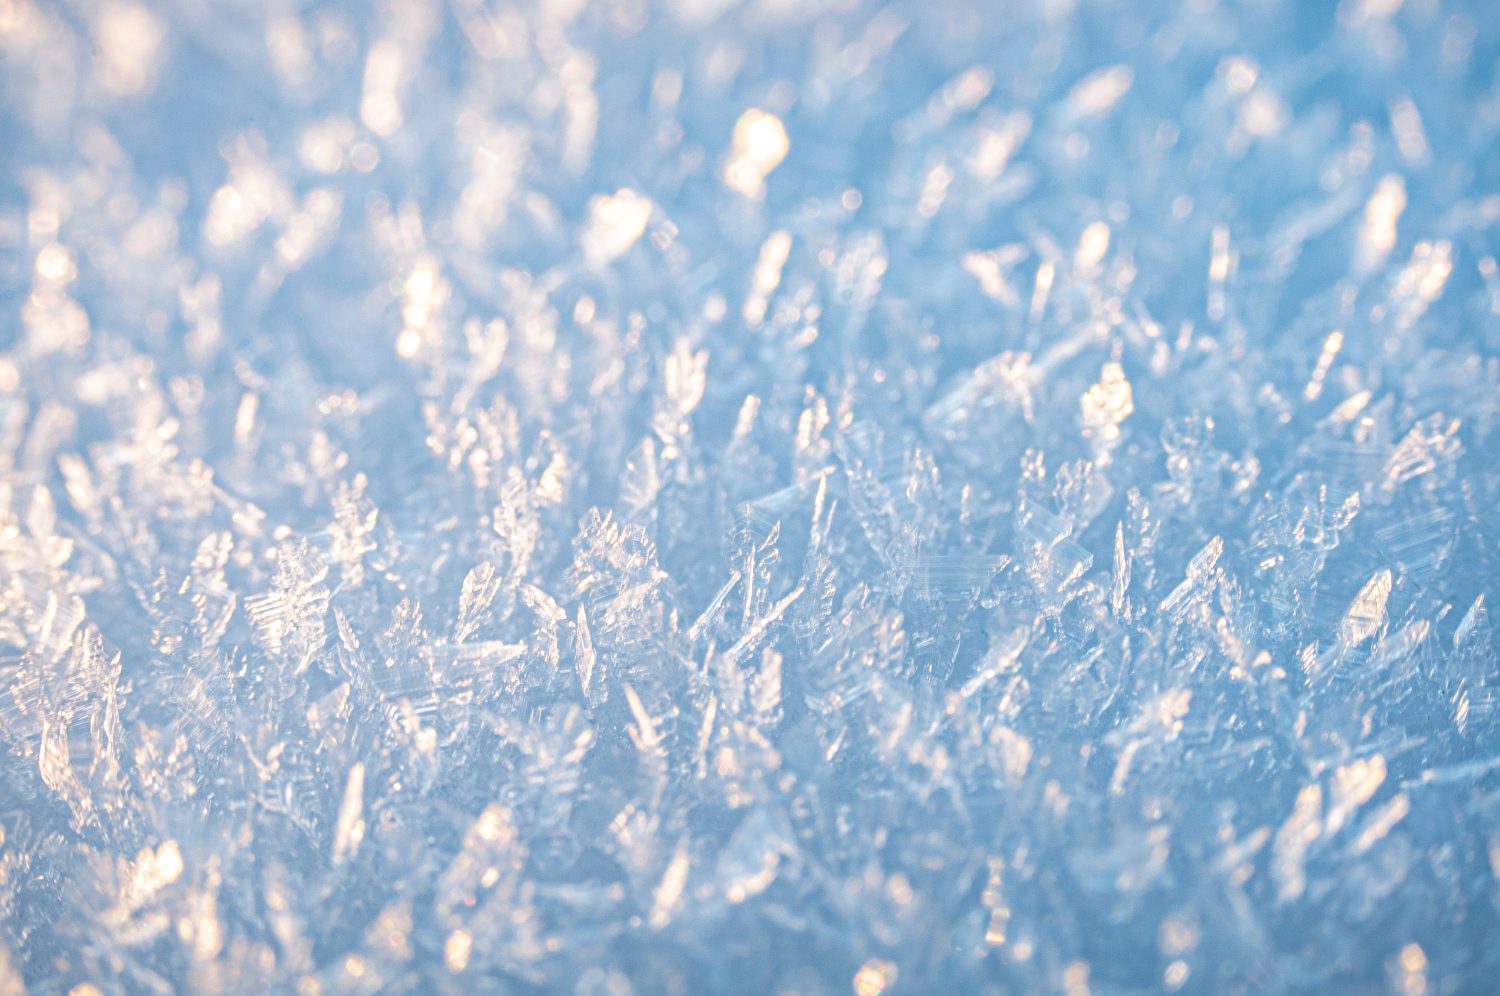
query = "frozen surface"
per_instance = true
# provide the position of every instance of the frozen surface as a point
(770, 496)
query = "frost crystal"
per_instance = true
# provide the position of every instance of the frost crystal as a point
(772, 497)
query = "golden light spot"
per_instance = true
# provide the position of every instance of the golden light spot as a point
(127, 45)
(1076, 978)
(760, 143)
(1107, 404)
(456, 952)
(616, 222)
(1099, 91)
(385, 72)
(1092, 246)
(55, 265)
(874, 977)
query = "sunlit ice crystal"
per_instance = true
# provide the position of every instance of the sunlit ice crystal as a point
(711, 497)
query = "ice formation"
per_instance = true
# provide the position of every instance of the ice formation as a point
(743, 495)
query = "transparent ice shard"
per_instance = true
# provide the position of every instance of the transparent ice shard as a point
(1429, 443)
(1366, 614)
(1297, 834)
(954, 577)
(1353, 785)
(479, 590)
(349, 829)
(669, 891)
(1380, 822)
(289, 618)
(765, 690)
(1202, 574)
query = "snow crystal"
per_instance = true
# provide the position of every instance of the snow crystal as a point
(609, 497)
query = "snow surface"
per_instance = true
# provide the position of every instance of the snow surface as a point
(775, 496)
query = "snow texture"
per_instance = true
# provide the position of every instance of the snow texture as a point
(606, 496)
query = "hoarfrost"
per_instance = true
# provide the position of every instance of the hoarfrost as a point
(749, 497)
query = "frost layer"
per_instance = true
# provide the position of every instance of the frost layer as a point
(779, 497)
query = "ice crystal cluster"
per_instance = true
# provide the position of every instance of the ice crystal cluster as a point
(782, 496)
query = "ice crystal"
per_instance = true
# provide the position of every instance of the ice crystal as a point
(610, 497)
